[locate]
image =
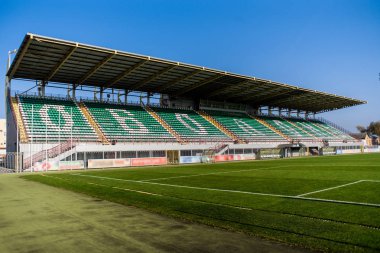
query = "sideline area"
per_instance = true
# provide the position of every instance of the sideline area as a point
(40, 218)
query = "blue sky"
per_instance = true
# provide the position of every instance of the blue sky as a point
(327, 45)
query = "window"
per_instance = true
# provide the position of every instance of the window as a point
(185, 152)
(143, 154)
(159, 153)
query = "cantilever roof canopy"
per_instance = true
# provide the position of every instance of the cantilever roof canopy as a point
(61, 61)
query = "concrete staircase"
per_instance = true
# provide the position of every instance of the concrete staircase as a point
(102, 138)
(271, 127)
(222, 128)
(50, 153)
(164, 124)
(300, 128)
(19, 121)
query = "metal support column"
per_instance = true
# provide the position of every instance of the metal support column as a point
(126, 96)
(148, 94)
(101, 94)
(74, 87)
(270, 110)
(68, 91)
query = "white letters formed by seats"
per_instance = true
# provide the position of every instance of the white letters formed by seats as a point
(122, 116)
(66, 125)
(288, 128)
(311, 129)
(181, 116)
(247, 128)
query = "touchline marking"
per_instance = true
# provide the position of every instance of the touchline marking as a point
(339, 186)
(330, 188)
(335, 165)
(370, 180)
(156, 194)
(239, 207)
(235, 191)
(213, 173)
(181, 186)
(125, 189)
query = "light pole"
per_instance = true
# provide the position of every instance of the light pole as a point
(7, 81)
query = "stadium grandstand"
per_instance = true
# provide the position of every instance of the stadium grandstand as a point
(149, 111)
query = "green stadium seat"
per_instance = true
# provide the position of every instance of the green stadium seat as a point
(127, 122)
(286, 128)
(190, 125)
(56, 119)
(330, 133)
(244, 126)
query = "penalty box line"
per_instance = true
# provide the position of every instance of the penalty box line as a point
(338, 186)
(235, 191)
(213, 173)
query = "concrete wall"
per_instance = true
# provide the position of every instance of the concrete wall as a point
(11, 130)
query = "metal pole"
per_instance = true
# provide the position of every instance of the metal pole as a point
(59, 131)
(46, 147)
(17, 147)
(7, 81)
(71, 146)
(32, 137)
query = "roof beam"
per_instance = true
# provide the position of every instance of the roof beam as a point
(230, 87)
(199, 84)
(266, 98)
(261, 91)
(21, 56)
(125, 73)
(178, 80)
(152, 77)
(317, 106)
(326, 103)
(95, 68)
(61, 63)
(289, 99)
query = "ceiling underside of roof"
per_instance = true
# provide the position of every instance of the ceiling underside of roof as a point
(60, 61)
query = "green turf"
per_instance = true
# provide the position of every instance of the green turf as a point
(258, 197)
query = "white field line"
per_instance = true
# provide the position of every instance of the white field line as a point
(339, 186)
(330, 188)
(370, 180)
(335, 165)
(126, 189)
(213, 173)
(156, 194)
(231, 206)
(233, 191)
(180, 186)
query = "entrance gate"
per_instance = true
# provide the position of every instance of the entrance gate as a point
(172, 156)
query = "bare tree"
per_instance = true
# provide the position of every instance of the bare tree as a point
(361, 129)
(373, 128)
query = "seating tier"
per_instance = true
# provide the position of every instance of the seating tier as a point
(331, 133)
(56, 119)
(127, 122)
(190, 125)
(244, 126)
(287, 128)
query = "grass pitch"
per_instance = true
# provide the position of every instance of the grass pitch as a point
(324, 203)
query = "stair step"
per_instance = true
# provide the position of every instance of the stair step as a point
(271, 127)
(102, 138)
(164, 124)
(222, 128)
(18, 118)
